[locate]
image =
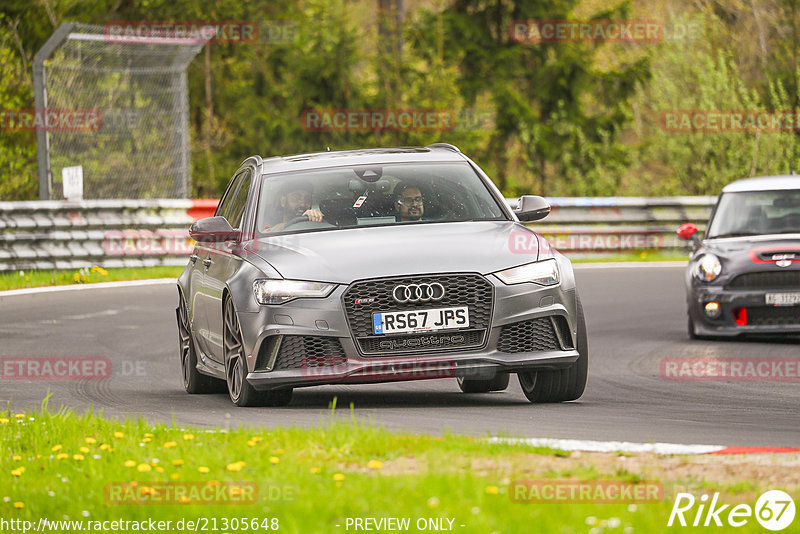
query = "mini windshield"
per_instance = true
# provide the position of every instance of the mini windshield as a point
(756, 213)
(391, 194)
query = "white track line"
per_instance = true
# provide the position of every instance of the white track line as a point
(610, 446)
(631, 265)
(77, 287)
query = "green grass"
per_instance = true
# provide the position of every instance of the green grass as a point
(633, 256)
(15, 280)
(310, 479)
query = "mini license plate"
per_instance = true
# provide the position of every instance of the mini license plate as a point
(783, 299)
(420, 320)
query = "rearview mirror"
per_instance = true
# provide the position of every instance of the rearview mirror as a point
(213, 230)
(532, 208)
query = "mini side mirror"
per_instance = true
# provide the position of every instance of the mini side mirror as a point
(688, 232)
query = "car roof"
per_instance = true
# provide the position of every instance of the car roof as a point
(764, 183)
(438, 152)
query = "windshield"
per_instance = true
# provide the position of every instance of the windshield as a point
(391, 194)
(756, 213)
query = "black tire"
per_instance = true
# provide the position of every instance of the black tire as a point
(194, 381)
(498, 383)
(560, 385)
(241, 392)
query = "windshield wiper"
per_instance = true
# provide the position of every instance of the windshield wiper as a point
(733, 234)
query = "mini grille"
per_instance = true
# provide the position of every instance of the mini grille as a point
(297, 352)
(533, 335)
(779, 315)
(770, 279)
(471, 290)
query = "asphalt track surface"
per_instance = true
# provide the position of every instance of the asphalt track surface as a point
(635, 315)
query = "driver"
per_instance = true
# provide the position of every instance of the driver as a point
(295, 201)
(408, 202)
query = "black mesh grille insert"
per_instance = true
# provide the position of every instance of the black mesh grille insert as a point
(297, 352)
(471, 290)
(778, 315)
(533, 335)
(770, 279)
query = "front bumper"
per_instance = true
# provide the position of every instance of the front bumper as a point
(325, 318)
(756, 319)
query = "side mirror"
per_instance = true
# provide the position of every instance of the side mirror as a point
(532, 208)
(213, 230)
(688, 232)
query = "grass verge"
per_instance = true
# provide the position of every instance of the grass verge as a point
(67, 467)
(25, 279)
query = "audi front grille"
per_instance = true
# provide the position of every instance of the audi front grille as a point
(373, 296)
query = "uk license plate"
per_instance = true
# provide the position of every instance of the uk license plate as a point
(420, 320)
(783, 299)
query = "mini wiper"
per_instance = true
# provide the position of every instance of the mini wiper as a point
(733, 234)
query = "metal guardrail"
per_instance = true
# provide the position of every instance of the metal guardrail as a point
(138, 233)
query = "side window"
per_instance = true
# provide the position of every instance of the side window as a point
(240, 201)
(227, 198)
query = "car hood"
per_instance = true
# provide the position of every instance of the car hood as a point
(343, 256)
(754, 253)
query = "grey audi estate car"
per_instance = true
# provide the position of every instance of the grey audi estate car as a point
(376, 265)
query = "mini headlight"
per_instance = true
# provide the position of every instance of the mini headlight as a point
(280, 291)
(708, 268)
(544, 273)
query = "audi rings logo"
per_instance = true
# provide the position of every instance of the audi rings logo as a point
(418, 292)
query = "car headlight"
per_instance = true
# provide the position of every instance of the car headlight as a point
(708, 268)
(544, 273)
(280, 291)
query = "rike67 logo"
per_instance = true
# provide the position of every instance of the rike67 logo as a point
(774, 510)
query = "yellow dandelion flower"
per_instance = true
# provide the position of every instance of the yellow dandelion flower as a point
(84, 450)
(170, 444)
(147, 490)
(280, 451)
(203, 469)
(159, 469)
(146, 440)
(38, 456)
(90, 441)
(338, 477)
(251, 443)
(119, 435)
(235, 466)
(183, 499)
(178, 462)
(188, 437)
(274, 459)
(20, 416)
(18, 472)
(257, 438)
(143, 468)
(16, 458)
(492, 490)
(56, 448)
(315, 470)
(236, 491)
(374, 464)
(62, 456)
(129, 463)
(19, 504)
(104, 446)
(3, 421)
(148, 435)
(175, 476)
(78, 457)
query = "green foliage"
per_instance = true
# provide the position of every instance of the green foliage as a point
(567, 118)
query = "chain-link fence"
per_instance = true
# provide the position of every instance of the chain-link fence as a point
(116, 107)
